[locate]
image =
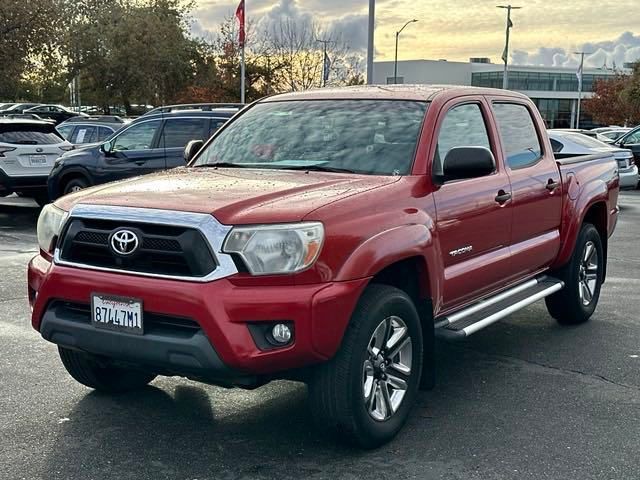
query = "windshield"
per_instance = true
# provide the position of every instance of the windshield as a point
(376, 137)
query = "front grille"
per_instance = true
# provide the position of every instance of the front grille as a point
(153, 322)
(163, 250)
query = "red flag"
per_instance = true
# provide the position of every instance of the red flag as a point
(240, 17)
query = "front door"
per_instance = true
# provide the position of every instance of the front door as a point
(473, 215)
(632, 142)
(135, 152)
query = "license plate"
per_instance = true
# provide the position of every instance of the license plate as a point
(37, 160)
(117, 313)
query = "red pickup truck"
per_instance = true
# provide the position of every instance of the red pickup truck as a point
(327, 237)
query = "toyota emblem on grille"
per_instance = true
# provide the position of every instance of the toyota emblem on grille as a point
(124, 242)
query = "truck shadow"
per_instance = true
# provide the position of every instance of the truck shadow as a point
(194, 431)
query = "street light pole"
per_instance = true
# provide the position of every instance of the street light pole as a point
(505, 53)
(395, 63)
(370, 46)
(580, 76)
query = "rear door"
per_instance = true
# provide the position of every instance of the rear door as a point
(135, 152)
(536, 187)
(177, 132)
(473, 219)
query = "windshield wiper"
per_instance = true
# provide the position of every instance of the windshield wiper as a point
(317, 168)
(223, 165)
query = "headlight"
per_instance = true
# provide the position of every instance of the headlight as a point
(273, 249)
(49, 224)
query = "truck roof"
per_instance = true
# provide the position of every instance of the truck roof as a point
(389, 92)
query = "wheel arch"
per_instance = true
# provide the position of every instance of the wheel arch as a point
(71, 174)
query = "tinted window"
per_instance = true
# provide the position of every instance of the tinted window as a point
(463, 126)
(215, 125)
(29, 134)
(633, 138)
(376, 137)
(103, 133)
(65, 130)
(518, 133)
(180, 131)
(556, 145)
(138, 137)
(84, 134)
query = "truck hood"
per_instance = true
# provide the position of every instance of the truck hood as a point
(233, 196)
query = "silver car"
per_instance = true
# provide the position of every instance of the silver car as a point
(568, 144)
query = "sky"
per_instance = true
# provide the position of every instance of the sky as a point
(545, 32)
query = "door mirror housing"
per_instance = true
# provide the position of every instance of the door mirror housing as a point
(107, 147)
(191, 149)
(468, 162)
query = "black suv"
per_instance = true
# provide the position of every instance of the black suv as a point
(153, 142)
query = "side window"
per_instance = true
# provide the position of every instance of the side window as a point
(137, 137)
(103, 133)
(216, 123)
(65, 130)
(83, 134)
(633, 138)
(180, 131)
(519, 135)
(463, 126)
(556, 146)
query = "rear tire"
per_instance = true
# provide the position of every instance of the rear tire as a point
(582, 278)
(366, 392)
(87, 370)
(75, 185)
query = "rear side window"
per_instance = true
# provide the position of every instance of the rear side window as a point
(180, 131)
(518, 134)
(463, 126)
(84, 134)
(29, 134)
(556, 145)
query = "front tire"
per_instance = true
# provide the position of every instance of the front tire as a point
(75, 185)
(87, 370)
(366, 392)
(582, 277)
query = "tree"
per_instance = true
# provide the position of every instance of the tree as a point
(29, 32)
(616, 101)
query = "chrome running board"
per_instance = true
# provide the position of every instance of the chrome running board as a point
(471, 319)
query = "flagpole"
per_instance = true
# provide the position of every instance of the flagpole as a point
(505, 54)
(242, 71)
(580, 77)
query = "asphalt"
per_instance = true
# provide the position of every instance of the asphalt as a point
(523, 399)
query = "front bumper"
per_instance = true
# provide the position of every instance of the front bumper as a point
(629, 178)
(222, 350)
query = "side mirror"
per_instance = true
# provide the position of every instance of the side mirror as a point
(191, 149)
(107, 147)
(468, 162)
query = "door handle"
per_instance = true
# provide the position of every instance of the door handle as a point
(551, 185)
(140, 162)
(503, 197)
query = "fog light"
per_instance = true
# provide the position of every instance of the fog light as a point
(281, 333)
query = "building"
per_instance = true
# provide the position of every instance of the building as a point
(553, 89)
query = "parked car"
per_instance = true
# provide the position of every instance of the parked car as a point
(615, 134)
(22, 116)
(605, 129)
(28, 149)
(83, 130)
(568, 144)
(588, 133)
(4, 106)
(326, 236)
(205, 107)
(18, 107)
(57, 113)
(148, 144)
(631, 141)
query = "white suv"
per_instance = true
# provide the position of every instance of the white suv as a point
(28, 150)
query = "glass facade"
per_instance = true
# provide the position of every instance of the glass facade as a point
(541, 81)
(555, 112)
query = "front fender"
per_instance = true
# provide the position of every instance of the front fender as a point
(389, 247)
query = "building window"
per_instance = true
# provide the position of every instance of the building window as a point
(391, 80)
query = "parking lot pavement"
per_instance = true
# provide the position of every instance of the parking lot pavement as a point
(523, 399)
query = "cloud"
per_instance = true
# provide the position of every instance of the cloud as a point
(625, 48)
